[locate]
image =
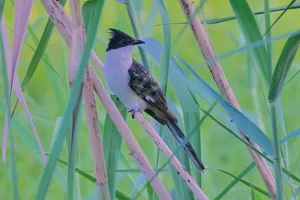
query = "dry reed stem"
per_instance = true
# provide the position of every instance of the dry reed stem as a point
(63, 23)
(191, 183)
(21, 18)
(94, 132)
(224, 87)
(78, 40)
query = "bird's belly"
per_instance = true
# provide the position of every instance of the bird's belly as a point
(118, 83)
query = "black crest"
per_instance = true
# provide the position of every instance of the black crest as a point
(120, 39)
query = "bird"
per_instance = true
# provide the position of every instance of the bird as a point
(137, 89)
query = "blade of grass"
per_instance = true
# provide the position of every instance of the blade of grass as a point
(6, 56)
(290, 136)
(277, 157)
(21, 22)
(189, 21)
(119, 195)
(122, 196)
(278, 18)
(53, 75)
(40, 50)
(91, 35)
(127, 164)
(253, 194)
(21, 18)
(164, 62)
(252, 34)
(276, 9)
(112, 141)
(136, 30)
(265, 193)
(282, 67)
(191, 118)
(164, 73)
(2, 2)
(72, 149)
(268, 35)
(181, 189)
(75, 56)
(288, 81)
(248, 169)
(150, 19)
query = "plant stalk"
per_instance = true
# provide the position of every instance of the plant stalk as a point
(277, 159)
(224, 87)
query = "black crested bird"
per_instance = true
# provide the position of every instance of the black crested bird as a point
(137, 89)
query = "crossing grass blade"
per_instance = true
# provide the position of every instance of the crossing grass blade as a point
(4, 57)
(251, 32)
(258, 189)
(181, 189)
(137, 32)
(91, 35)
(72, 147)
(268, 34)
(290, 136)
(248, 169)
(119, 195)
(278, 18)
(164, 62)
(262, 12)
(191, 116)
(53, 75)
(2, 2)
(40, 50)
(112, 141)
(150, 19)
(282, 67)
(164, 72)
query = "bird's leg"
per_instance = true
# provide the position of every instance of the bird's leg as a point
(133, 108)
(132, 111)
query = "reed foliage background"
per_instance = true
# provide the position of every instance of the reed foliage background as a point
(271, 103)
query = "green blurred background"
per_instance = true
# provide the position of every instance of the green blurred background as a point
(47, 97)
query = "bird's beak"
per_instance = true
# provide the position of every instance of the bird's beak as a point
(138, 42)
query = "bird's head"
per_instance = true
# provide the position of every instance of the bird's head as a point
(120, 39)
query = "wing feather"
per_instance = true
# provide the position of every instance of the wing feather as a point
(143, 83)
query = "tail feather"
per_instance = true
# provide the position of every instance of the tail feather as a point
(180, 137)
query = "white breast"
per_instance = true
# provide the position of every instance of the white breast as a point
(116, 67)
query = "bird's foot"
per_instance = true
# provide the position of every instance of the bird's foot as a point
(132, 111)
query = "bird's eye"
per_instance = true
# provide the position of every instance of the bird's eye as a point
(123, 42)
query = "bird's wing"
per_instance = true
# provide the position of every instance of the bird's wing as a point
(143, 83)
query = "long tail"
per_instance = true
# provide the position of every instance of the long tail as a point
(178, 134)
